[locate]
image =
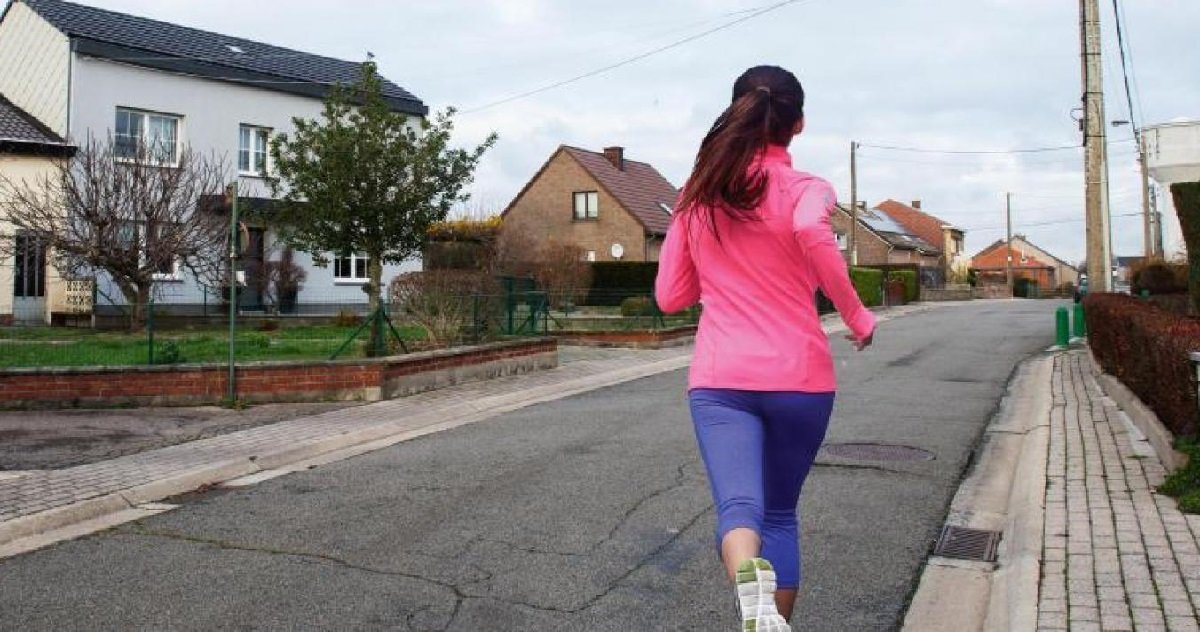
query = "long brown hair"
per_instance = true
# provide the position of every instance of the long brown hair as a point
(767, 103)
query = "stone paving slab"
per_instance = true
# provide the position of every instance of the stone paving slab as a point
(1116, 555)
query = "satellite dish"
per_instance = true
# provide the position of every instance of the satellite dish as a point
(618, 251)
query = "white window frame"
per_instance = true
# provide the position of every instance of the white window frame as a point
(843, 241)
(591, 205)
(143, 135)
(257, 133)
(590, 256)
(353, 264)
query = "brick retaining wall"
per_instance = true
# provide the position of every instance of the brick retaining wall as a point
(367, 379)
(645, 339)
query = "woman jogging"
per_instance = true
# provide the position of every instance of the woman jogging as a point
(751, 241)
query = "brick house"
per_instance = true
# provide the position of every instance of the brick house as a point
(1028, 262)
(611, 207)
(938, 232)
(883, 241)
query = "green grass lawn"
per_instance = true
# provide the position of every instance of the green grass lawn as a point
(62, 346)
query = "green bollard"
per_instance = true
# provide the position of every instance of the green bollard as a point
(1080, 323)
(1064, 327)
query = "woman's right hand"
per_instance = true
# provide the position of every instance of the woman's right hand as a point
(861, 343)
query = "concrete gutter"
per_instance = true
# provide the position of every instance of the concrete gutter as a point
(1005, 491)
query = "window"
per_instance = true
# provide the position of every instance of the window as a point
(252, 150)
(842, 242)
(666, 209)
(29, 280)
(157, 135)
(164, 269)
(587, 205)
(590, 256)
(958, 245)
(350, 269)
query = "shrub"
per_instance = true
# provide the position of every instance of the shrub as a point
(614, 281)
(868, 282)
(447, 303)
(1184, 483)
(912, 283)
(1159, 277)
(1147, 348)
(637, 306)
(1186, 196)
(169, 353)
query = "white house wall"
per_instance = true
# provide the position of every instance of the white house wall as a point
(212, 112)
(34, 66)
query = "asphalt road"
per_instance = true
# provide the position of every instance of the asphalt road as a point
(590, 513)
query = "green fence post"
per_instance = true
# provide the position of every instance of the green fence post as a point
(1064, 327)
(150, 326)
(1080, 322)
(231, 381)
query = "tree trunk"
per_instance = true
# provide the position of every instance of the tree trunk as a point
(1186, 196)
(135, 298)
(377, 344)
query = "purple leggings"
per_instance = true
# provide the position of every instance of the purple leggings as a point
(758, 448)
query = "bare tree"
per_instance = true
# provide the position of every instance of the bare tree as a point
(131, 211)
(277, 280)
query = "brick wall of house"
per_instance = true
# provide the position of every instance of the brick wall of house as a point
(545, 211)
(871, 249)
(271, 381)
(992, 263)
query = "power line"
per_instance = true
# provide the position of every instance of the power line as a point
(1124, 68)
(1047, 223)
(1023, 150)
(639, 57)
(1137, 91)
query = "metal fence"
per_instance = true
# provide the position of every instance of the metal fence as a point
(105, 331)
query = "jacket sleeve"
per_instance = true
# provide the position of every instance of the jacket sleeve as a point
(814, 232)
(677, 286)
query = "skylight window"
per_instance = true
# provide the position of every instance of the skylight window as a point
(666, 209)
(235, 49)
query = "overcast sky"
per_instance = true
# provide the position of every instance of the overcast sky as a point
(937, 74)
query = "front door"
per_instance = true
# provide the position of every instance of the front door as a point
(254, 263)
(29, 281)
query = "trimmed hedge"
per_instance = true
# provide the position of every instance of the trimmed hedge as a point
(911, 281)
(869, 284)
(1147, 348)
(615, 281)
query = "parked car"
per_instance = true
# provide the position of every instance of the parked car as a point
(1082, 288)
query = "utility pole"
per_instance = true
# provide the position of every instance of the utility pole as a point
(853, 203)
(1008, 255)
(1095, 149)
(1147, 213)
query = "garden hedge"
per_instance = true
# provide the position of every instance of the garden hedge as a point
(869, 284)
(615, 281)
(1147, 348)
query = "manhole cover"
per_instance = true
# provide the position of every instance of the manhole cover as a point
(876, 452)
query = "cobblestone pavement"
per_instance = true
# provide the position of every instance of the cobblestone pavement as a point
(1116, 555)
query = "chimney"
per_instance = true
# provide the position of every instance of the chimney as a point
(616, 155)
(916, 204)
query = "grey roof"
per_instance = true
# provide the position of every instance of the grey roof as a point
(165, 46)
(21, 133)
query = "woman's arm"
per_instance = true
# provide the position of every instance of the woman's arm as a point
(677, 286)
(814, 232)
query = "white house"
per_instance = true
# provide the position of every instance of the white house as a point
(83, 71)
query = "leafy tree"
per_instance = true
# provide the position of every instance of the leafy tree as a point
(365, 179)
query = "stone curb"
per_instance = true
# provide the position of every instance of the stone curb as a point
(1004, 491)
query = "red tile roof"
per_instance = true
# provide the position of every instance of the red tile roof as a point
(639, 187)
(921, 224)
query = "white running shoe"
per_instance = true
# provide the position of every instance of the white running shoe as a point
(756, 597)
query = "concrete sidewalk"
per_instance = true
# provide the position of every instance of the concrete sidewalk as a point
(1115, 554)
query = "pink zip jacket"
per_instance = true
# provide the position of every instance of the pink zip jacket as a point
(759, 329)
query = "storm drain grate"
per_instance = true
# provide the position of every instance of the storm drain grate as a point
(968, 544)
(875, 452)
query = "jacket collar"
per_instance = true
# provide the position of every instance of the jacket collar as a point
(776, 154)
